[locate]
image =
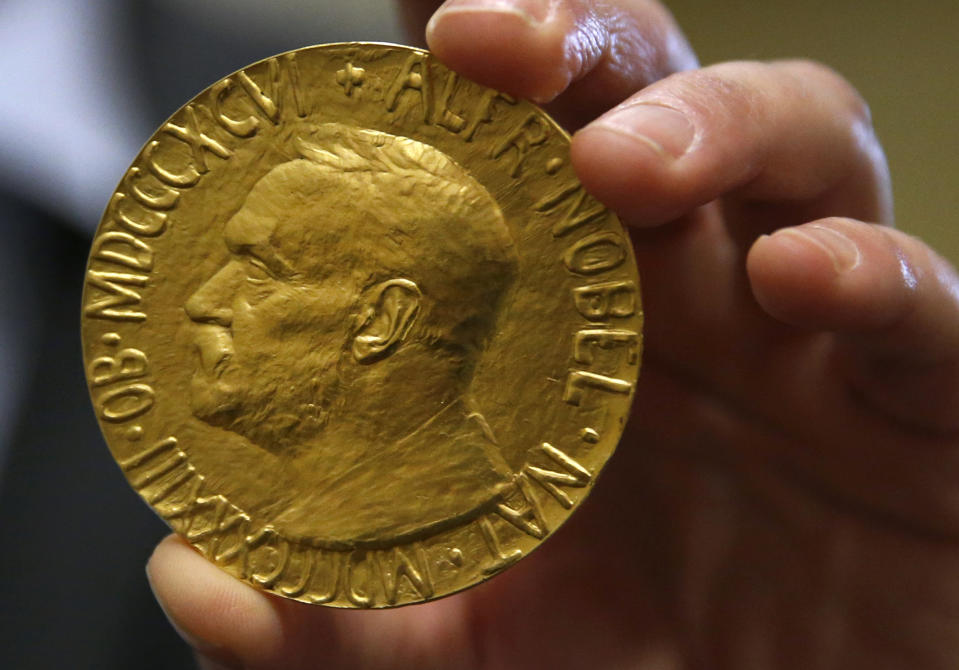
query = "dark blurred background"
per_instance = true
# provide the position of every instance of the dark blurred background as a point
(901, 56)
(83, 84)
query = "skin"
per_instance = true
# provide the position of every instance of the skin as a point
(787, 494)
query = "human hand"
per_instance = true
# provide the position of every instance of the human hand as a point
(787, 494)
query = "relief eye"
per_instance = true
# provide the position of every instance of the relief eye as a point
(257, 272)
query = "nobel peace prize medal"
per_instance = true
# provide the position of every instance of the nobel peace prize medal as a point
(352, 327)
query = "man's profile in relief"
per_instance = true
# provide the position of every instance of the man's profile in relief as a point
(364, 280)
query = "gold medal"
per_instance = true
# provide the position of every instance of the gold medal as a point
(354, 330)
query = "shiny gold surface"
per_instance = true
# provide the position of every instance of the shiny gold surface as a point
(354, 330)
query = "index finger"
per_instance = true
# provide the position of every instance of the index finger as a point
(582, 57)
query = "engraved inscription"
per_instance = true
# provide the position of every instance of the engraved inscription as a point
(589, 435)
(301, 563)
(208, 522)
(501, 559)
(573, 474)
(112, 296)
(350, 77)
(483, 112)
(235, 525)
(320, 577)
(125, 398)
(123, 249)
(531, 133)
(283, 75)
(148, 223)
(246, 127)
(262, 556)
(126, 402)
(199, 142)
(336, 566)
(413, 88)
(413, 76)
(605, 338)
(287, 64)
(523, 511)
(356, 596)
(159, 470)
(266, 101)
(127, 364)
(606, 300)
(446, 117)
(330, 566)
(165, 200)
(596, 253)
(275, 560)
(579, 381)
(580, 209)
(413, 566)
(190, 177)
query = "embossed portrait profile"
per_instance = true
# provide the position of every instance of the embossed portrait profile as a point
(364, 281)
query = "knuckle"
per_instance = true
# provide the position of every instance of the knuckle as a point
(712, 93)
(849, 111)
(812, 73)
(638, 41)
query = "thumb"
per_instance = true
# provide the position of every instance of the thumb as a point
(232, 625)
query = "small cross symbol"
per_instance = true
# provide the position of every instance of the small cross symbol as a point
(350, 77)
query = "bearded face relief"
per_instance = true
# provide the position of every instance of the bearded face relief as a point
(337, 260)
(268, 336)
(343, 331)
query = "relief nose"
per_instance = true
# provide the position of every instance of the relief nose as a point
(211, 302)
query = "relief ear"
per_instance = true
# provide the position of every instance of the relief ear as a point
(392, 310)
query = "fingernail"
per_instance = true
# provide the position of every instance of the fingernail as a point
(533, 12)
(842, 250)
(666, 130)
